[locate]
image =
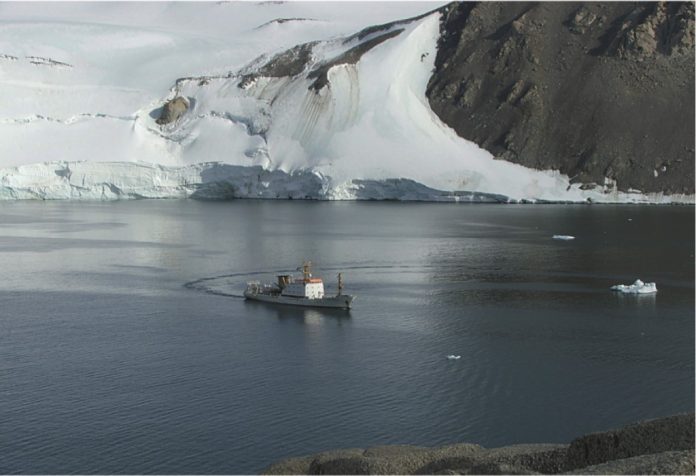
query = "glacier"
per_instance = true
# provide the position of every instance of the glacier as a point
(287, 100)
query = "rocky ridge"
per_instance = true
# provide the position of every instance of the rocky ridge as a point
(661, 446)
(603, 92)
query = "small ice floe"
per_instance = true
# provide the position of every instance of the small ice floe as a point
(563, 237)
(454, 357)
(639, 287)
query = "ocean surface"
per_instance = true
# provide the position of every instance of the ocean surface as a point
(125, 346)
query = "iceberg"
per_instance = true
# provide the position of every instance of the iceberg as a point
(454, 357)
(638, 287)
(563, 237)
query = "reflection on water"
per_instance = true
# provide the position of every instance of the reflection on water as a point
(635, 301)
(126, 345)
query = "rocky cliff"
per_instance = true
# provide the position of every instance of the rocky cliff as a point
(603, 92)
(662, 446)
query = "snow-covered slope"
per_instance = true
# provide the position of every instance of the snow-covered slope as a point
(301, 100)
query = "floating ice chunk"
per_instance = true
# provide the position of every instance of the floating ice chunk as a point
(639, 287)
(454, 357)
(563, 237)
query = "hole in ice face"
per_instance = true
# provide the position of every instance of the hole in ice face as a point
(156, 113)
(64, 172)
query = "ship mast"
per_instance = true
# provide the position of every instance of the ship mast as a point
(340, 283)
(307, 270)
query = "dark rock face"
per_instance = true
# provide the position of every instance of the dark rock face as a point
(173, 110)
(669, 462)
(352, 56)
(548, 459)
(595, 90)
(294, 60)
(288, 63)
(653, 436)
(664, 446)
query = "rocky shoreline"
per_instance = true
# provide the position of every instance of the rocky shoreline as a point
(660, 446)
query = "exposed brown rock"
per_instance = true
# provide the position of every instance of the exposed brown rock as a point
(289, 63)
(577, 87)
(173, 110)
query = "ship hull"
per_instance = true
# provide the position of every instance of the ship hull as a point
(343, 301)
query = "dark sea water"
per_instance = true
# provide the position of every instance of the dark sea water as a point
(124, 347)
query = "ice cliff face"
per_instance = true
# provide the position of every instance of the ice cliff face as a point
(333, 107)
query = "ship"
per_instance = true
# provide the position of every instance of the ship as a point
(306, 291)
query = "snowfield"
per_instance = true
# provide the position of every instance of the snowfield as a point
(286, 100)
